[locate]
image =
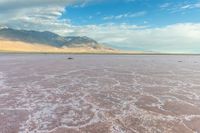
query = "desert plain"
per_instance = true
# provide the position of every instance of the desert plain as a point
(45, 93)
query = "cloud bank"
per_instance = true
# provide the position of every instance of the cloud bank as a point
(183, 37)
(46, 15)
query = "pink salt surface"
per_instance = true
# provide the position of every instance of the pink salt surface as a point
(99, 94)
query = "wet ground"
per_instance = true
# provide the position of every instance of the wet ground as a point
(99, 94)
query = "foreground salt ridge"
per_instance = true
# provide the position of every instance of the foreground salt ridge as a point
(99, 94)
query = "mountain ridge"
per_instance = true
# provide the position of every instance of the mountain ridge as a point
(23, 47)
(48, 38)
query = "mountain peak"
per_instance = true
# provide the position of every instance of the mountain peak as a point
(47, 38)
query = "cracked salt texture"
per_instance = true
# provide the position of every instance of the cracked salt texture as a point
(99, 93)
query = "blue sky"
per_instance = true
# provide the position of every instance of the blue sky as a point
(144, 25)
(154, 13)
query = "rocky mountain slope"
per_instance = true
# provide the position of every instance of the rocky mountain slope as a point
(47, 38)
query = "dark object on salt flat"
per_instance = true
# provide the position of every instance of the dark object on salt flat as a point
(70, 58)
(180, 61)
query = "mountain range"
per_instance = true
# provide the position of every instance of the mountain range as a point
(47, 38)
(36, 41)
(12, 40)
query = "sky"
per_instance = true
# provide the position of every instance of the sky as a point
(140, 25)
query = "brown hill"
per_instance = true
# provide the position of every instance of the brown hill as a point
(18, 46)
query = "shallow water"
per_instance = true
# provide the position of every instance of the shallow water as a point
(99, 93)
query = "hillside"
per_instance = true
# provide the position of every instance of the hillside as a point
(18, 46)
(47, 38)
(47, 42)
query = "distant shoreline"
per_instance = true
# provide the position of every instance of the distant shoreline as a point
(17, 47)
(91, 53)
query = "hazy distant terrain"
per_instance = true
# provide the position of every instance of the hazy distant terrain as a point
(18, 46)
(47, 38)
(34, 41)
(99, 94)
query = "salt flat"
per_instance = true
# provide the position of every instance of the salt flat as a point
(99, 93)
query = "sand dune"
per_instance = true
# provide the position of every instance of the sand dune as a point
(17, 46)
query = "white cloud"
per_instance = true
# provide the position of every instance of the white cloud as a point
(165, 5)
(191, 6)
(180, 6)
(43, 15)
(182, 37)
(35, 14)
(126, 15)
